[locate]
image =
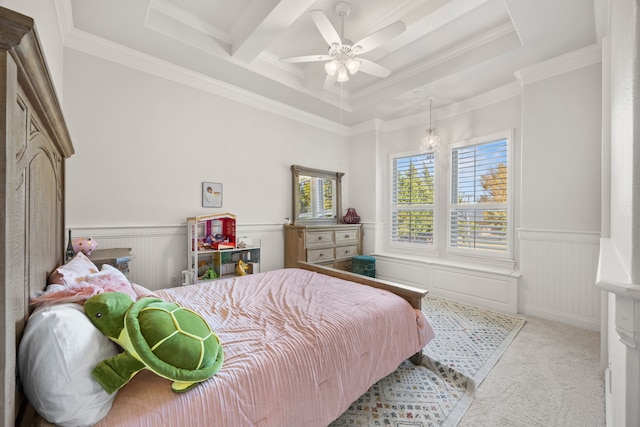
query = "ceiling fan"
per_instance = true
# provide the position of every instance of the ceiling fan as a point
(343, 57)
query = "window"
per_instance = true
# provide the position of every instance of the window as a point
(412, 199)
(478, 208)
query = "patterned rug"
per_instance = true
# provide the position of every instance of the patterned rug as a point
(468, 343)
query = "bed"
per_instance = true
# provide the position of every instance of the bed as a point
(300, 344)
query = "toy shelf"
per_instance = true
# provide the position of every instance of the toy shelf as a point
(214, 250)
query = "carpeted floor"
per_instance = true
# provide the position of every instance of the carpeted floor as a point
(549, 376)
(468, 343)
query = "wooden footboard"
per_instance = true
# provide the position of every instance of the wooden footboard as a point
(412, 294)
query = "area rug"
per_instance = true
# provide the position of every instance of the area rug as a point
(468, 343)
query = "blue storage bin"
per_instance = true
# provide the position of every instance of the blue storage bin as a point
(364, 264)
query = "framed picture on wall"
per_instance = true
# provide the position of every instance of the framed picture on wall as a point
(211, 195)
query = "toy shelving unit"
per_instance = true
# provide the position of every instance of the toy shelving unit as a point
(214, 250)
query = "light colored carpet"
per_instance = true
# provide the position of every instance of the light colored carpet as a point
(549, 376)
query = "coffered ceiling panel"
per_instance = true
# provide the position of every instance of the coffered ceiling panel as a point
(449, 50)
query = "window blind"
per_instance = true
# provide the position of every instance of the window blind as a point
(412, 199)
(478, 206)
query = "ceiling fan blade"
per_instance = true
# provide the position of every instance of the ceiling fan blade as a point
(307, 58)
(374, 40)
(372, 68)
(325, 27)
(329, 81)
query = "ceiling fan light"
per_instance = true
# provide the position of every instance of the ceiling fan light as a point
(353, 66)
(331, 67)
(343, 76)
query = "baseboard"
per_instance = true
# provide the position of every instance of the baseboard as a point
(577, 321)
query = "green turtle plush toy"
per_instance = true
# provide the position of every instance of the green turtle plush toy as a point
(161, 336)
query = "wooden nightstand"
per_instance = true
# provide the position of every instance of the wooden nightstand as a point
(117, 257)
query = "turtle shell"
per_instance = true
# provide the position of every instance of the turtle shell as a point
(173, 341)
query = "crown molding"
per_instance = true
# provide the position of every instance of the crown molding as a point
(119, 54)
(561, 64)
(482, 100)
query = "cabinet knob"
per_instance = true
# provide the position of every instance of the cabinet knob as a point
(346, 236)
(319, 237)
(347, 251)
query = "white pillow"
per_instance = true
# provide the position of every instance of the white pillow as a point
(58, 351)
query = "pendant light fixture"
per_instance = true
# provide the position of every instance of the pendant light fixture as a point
(430, 142)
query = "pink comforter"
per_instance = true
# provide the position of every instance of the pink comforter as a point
(300, 347)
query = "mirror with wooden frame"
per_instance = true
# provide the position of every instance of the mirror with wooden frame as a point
(317, 195)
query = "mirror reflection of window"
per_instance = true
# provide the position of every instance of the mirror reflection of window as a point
(304, 204)
(316, 197)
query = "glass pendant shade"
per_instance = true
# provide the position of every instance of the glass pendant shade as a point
(331, 67)
(353, 66)
(430, 142)
(342, 74)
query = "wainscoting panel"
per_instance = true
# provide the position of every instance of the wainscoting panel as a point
(488, 290)
(558, 276)
(161, 251)
(401, 271)
(497, 290)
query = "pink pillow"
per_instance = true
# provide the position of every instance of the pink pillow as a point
(74, 271)
(111, 280)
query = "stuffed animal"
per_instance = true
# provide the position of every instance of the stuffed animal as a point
(169, 340)
(241, 268)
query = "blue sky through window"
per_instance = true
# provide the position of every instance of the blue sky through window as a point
(469, 164)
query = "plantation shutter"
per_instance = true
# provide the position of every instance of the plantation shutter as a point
(412, 200)
(478, 205)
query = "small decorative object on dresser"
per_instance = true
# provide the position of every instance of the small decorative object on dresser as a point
(330, 245)
(86, 245)
(351, 217)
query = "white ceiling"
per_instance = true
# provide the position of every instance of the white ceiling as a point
(451, 50)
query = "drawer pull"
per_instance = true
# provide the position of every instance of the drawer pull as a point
(319, 237)
(347, 251)
(346, 236)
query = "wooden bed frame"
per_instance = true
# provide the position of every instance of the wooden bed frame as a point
(36, 143)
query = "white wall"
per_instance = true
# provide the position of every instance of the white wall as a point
(44, 14)
(561, 145)
(560, 208)
(364, 184)
(144, 145)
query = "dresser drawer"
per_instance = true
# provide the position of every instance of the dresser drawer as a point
(345, 236)
(318, 255)
(315, 238)
(346, 251)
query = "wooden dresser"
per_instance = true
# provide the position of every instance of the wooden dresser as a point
(331, 245)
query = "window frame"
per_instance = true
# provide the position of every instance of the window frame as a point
(479, 252)
(412, 247)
